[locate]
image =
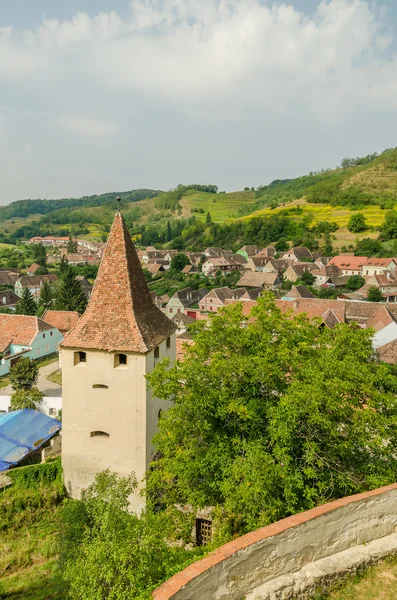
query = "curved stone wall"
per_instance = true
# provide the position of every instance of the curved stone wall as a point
(292, 557)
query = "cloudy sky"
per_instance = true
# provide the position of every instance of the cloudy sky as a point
(110, 95)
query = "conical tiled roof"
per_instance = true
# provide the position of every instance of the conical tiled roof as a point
(121, 316)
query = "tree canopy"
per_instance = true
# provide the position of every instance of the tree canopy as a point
(26, 305)
(70, 294)
(357, 223)
(272, 418)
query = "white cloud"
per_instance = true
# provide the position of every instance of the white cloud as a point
(88, 127)
(226, 56)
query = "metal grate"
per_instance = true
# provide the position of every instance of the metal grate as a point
(203, 532)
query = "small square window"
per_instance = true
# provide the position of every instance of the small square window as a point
(120, 360)
(80, 357)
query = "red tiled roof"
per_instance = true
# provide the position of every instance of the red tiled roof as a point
(380, 319)
(348, 262)
(181, 347)
(379, 262)
(63, 320)
(121, 315)
(20, 330)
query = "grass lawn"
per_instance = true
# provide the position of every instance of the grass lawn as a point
(28, 558)
(4, 381)
(55, 377)
(376, 583)
(47, 360)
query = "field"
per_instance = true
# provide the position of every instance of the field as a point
(376, 583)
(325, 212)
(223, 208)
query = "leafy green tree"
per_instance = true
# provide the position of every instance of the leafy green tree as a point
(47, 295)
(368, 247)
(307, 278)
(374, 294)
(357, 223)
(26, 398)
(208, 219)
(108, 553)
(389, 227)
(272, 418)
(70, 294)
(281, 245)
(355, 282)
(148, 275)
(24, 374)
(42, 271)
(26, 305)
(71, 246)
(179, 261)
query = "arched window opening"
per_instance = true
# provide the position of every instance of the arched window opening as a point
(100, 386)
(157, 352)
(99, 434)
(120, 360)
(168, 342)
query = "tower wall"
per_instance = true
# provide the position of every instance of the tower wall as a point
(125, 410)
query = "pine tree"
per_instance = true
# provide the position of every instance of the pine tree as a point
(26, 304)
(71, 246)
(70, 294)
(63, 265)
(208, 219)
(47, 295)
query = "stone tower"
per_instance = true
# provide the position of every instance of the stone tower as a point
(109, 416)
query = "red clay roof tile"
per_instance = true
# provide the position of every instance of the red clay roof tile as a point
(121, 315)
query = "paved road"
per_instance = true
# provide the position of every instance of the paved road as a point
(49, 388)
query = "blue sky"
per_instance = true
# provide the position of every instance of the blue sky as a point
(110, 95)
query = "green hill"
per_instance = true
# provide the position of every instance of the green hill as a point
(367, 184)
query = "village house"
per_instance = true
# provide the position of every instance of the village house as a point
(268, 252)
(298, 291)
(190, 269)
(33, 269)
(257, 263)
(251, 294)
(63, 320)
(349, 264)
(8, 278)
(276, 265)
(8, 299)
(297, 254)
(386, 283)
(195, 258)
(215, 252)
(216, 298)
(225, 264)
(296, 270)
(49, 240)
(82, 259)
(266, 281)
(183, 299)
(22, 335)
(248, 251)
(154, 269)
(326, 274)
(152, 256)
(34, 283)
(378, 266)
(182, 322)
(321, 261)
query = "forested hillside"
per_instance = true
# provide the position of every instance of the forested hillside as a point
(314, 210)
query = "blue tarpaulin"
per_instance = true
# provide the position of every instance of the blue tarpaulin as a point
(22, 431)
